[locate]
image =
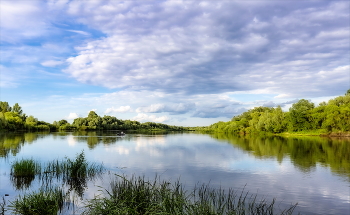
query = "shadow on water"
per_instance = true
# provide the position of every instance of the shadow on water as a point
(304, 152)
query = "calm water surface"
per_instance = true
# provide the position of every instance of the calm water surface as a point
(311, 171)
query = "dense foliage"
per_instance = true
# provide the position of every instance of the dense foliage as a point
(93, 122)
(13, 119)
(331, 116)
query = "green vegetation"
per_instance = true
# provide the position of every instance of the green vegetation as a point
(73, 173)
(46, 201)
(23, 172)
(140, 196)
(95, 122)
(303, 118)
(78, 168)
(13, 119)
(25, 168)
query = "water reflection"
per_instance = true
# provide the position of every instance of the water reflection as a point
(304, 152)
(21, 183)
(11, 143)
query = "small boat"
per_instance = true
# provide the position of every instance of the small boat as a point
(121, 134)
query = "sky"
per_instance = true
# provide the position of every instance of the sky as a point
(178, 62)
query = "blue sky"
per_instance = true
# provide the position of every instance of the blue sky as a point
(176, 62)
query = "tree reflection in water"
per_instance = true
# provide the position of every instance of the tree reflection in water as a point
(304, 152)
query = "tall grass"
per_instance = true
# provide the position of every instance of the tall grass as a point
(3, 206)
(23, 172)
(25, 168)
(139, 196)
(77, 168)
(74, 172)
(45, 201)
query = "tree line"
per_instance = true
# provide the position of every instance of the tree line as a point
(303, 116)
(13, 119)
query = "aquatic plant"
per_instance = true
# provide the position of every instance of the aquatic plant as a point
(77, 168)
(3, 206)
(47, 201)
(25, 168)
(139, 196)
(23, 172)
(74, 173)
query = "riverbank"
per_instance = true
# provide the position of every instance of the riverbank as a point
(315, 133)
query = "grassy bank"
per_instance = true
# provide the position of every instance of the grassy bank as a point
(320, 132)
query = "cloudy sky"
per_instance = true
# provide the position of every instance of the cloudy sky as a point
(179, 62)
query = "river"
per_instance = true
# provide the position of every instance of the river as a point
(311, 171)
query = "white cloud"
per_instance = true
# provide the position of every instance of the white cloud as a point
(152, 118)
(26, 19)
(121, 109)
(154, 108)
(73, 116)
(197, 49)
(51, 63)
(80, 32)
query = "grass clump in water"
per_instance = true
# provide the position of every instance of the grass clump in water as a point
(76, 168)
(45, 201)
(25, 168)
(74, 172)
(138, 196)
(23, 172)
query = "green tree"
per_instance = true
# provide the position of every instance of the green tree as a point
(14, 121)
(31, 120)
(300, 115)
(92, 115)
(277, 120)
(3, 121)
(62, 122)
(5, 107)
(17, 109)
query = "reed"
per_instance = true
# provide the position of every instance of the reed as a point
(3, 206)
(77, 168)
(25, 168)
(23, 173)
(139, 196)
(45, 201)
